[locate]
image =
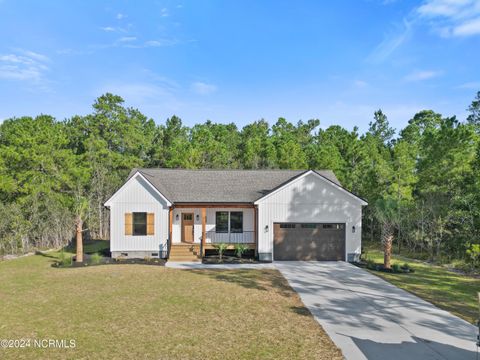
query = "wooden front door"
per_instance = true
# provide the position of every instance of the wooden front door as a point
(187, 227)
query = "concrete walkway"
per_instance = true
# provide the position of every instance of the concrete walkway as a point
(368, 318)
(199, 265)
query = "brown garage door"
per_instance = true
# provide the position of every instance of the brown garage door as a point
(312, 241)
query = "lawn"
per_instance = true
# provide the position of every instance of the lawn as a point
(145, 312)
(447, 290)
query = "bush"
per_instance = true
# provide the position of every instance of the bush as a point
(95, 258)
(396, 268)
(371, 264)
(64, 260)
(473, 252)
(240, 249)
(221, 249)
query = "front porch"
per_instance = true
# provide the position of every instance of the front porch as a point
(195, 228)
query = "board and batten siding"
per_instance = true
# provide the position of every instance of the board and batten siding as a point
(309, 199)
(138, 196)
(210, 223)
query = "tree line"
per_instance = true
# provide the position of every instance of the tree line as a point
(422, 183)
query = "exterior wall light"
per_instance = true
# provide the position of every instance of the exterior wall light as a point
(353, 229)
(176, 217)
(198, 217)
(266, 228)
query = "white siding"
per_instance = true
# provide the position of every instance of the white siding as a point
(138, 196)
(210, 225)
(309, 199)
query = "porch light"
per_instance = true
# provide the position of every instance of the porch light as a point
(198, 217)
(176, 217)
(266, 228)
(353, 229)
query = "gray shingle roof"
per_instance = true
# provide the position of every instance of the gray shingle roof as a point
(180, 185)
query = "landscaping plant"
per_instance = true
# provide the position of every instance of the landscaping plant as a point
(221, 249)
(240, 249)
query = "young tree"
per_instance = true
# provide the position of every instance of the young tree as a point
(386, 212)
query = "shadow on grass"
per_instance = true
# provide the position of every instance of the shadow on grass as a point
(265, 280)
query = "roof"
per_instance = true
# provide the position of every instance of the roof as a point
(232, 186)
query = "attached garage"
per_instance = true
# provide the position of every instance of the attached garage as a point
(309, 241)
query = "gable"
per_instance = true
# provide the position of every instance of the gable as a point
(311, 188)
(137, 189)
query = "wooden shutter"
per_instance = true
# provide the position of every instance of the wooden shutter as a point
(128, 223)
(150, 224)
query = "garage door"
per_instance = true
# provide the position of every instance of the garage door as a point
(312, 241)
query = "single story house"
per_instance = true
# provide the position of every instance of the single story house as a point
(281, 214)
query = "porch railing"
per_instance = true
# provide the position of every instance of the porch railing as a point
(231, 237)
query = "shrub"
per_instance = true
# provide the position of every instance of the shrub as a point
(64, 260)
(473, 252)
(371, 264)
(221, 249)
(95, 258)
(396, 268)
(240, 249)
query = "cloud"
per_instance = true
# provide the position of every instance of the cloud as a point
(422, 75)
(108, 29)
(164, 12)
(391, 42)
(24, 65)
(360, 83)
(473, 85)
(121, 16)
(127, 39)
(203, 88)
(451, 18)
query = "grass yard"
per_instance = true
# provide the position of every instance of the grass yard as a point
(146, 312)
(447, 290)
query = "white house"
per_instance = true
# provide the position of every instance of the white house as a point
(281, 214)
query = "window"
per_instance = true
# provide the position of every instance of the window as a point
(236, 222)
(287, 226)
(333, 226)
(139, 223)
(187, 216)
(309, 226)
(221, 222)
(224, 218)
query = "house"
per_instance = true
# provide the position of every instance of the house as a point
(280, 214)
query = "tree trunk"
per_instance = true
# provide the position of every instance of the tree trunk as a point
(387, 245)
(79, 240)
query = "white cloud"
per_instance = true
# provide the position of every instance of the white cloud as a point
(422, 75)
(452, 17)
(108, 29)
(127, 39)
(24, 65)
(360, 83)
(164, 12)
(203, 88)
(473, 85)
(391, 42)
(121, 16)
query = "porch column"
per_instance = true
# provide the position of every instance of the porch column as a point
(204, 229)
(170, 227)
(255, 230)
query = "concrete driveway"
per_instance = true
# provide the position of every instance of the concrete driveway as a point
(368, 318)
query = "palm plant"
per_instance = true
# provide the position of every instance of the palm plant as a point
(221, 249)
(386, 212)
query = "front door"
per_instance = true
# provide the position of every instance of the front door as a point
(187, 227)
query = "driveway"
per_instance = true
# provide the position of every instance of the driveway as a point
(369, 318)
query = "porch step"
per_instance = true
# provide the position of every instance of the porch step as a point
(184, 252)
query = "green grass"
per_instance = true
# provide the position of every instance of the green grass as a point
(151, 312)
(448, 290)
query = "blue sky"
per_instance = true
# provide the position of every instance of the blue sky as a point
(239, 61)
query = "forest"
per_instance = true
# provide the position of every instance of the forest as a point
(422, 182)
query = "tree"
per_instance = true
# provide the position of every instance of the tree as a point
(386, 212)
(474, 109)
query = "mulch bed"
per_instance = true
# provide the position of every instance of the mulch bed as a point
(87, 261)
(215, 259)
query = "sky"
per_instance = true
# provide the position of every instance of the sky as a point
(241, 61)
